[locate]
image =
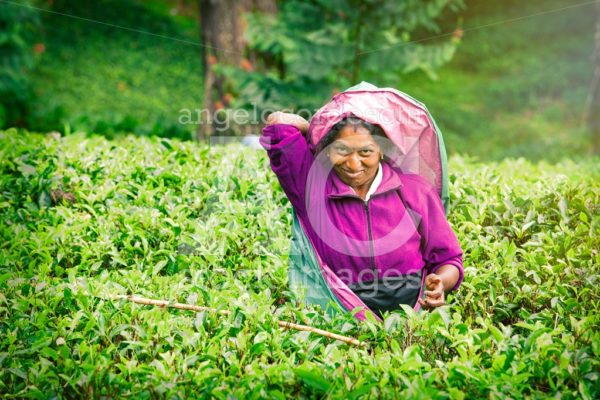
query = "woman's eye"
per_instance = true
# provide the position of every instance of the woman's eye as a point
(342, 150)
(366, 152)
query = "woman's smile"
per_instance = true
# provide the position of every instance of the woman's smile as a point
(353, 174)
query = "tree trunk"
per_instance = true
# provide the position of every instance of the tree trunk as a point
(222, 28)
(593, 112)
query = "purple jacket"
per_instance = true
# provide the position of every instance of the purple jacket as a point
(401, 229)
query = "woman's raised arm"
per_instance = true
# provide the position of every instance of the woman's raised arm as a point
(289, 154)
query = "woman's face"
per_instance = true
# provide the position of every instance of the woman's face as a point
(355, 156)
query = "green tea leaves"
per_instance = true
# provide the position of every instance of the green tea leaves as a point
(210, 226)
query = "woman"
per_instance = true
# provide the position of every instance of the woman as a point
(382, 232)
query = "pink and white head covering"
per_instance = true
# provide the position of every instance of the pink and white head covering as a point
(419, 148)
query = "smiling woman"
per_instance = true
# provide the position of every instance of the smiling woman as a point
(381, 232)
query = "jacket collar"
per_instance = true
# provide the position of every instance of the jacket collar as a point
(389, 181)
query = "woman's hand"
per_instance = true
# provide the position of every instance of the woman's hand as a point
(434, 295)
(279, 117)
(438, 284)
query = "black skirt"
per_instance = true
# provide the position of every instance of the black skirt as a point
(388, 293)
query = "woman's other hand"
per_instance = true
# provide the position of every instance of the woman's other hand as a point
(279, 117)
(437, 284)
(434, 295)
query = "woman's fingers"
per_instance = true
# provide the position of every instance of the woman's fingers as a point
(431, 303)
(279, 117)
(433, 298)
(275, 118)
(434, 294)
(424, 304)
(433, 281)
(435, 303)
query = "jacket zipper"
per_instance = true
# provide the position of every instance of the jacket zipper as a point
(372, 250)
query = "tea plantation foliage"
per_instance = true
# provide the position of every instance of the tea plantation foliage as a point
(84, 219)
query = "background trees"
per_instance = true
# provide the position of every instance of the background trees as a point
(223, 27)
(18, 30)
(516, 87)
(310, 49)
(295, 56)
(593, 112)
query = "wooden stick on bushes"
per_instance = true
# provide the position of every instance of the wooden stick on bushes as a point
(282, 324)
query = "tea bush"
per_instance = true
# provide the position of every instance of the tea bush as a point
(84, 219)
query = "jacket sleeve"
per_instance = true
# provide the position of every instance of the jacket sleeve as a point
(440, 246)
(290, 158)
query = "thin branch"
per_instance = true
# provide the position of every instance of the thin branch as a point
(282, 324)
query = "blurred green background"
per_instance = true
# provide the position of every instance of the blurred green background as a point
(514, 82)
